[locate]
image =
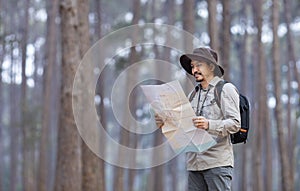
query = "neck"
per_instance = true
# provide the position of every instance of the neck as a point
(205, 83)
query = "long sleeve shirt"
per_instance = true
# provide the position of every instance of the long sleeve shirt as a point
(222, 123)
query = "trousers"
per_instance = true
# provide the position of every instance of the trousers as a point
(215, 179)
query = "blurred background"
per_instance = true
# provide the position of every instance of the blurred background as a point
(43, 41)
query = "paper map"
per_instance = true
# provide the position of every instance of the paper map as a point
(170, 102)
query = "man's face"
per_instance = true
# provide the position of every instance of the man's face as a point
(201, 70)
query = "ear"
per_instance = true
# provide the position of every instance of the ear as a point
(212, 67)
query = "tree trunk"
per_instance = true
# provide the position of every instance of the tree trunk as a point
(99, 19)
(261, 84)
(242, 47)
(159, 171)
(13, 129)
(1, 114)
(56, 92)
(44, 150)
(213, 24)
(172, 167)
(268, 144)
(285, 165)
(101, 92)
(157, 174)
(253, 94)
(102, 182)
(27, 162)
(90, 162)
(169, 9)
(125, 138)
(225, 36)
(68, 168)
(133, 79)
(188, 22)
(1, 140)
(2, 54)
(291, 49)
(292, 67)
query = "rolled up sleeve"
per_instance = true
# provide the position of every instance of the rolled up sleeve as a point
(231, 122)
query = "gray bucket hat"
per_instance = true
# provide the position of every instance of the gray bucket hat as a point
(201, 54)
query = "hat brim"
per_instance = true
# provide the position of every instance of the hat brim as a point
(185, 61)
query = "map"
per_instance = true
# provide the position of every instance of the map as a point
(171, 104)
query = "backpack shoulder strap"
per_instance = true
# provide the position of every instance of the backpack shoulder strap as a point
(218, 90)
(192, 95)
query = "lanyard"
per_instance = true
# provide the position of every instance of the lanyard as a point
(199, 113)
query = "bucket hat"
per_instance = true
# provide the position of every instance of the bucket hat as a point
(201, 54)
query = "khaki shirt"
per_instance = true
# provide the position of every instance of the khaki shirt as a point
(220, 127)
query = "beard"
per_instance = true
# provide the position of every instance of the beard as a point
(199, 80)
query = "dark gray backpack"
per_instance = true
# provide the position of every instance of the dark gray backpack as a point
(241, 136)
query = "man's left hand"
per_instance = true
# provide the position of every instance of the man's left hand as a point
(201, 122)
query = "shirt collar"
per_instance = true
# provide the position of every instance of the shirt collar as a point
(214, 81)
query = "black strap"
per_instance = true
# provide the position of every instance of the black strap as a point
(199, 112)
(218, 91)
(194, 92)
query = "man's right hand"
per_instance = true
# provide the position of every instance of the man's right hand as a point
(159, 121)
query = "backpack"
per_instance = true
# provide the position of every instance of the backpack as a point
(241, 136)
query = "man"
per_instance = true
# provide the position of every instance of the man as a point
(212, 169)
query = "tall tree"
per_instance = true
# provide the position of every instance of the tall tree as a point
(50, 56)
(55, 95)
(291, 45)
(90, 162)
(68, 168)
(13, 129)
(268, 142)
(241, 46)
(13, 104)
(285, 165)
(99, 19)
(261, 84)
(132, 78)
(254, 121)
(1, 131)
(101, 92)
(170, 10)
(1, 138)
(2, 53)
(1, 111)
(292, 67)
(225, 38)
(188, 22)
(213, 24)
(157, 178)
(27, 166)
